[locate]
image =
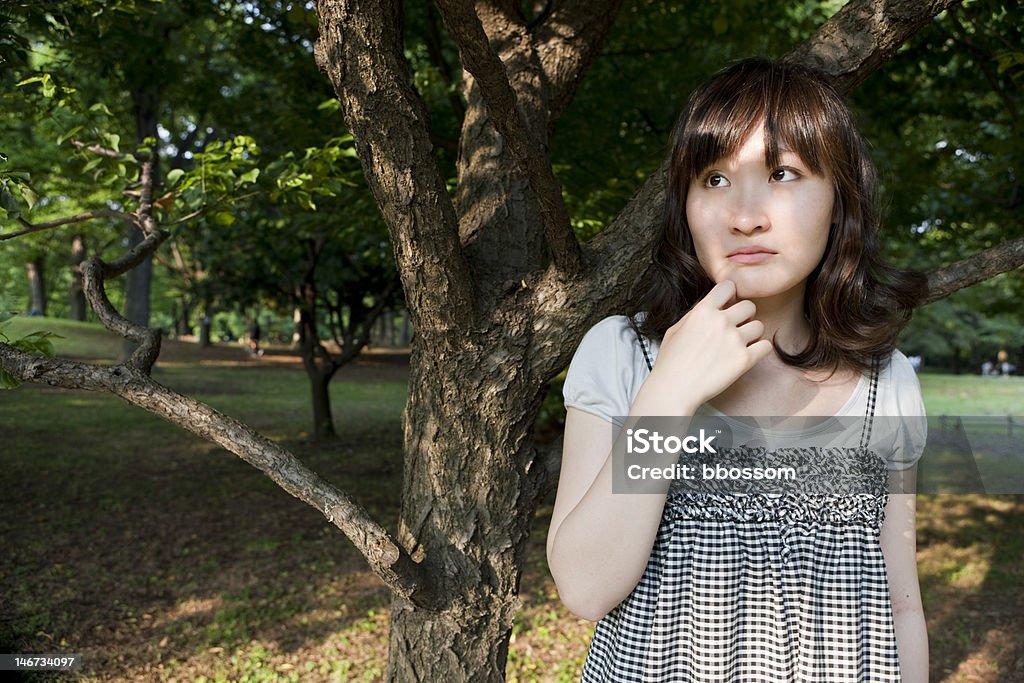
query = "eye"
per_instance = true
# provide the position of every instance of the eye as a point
(782, 175)
(715, 180)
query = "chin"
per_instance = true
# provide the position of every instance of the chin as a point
(753, 293)
(754, 290)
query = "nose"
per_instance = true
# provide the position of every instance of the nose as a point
(748, 213)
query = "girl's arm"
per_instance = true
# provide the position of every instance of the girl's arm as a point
(599, 541)
(899, 546)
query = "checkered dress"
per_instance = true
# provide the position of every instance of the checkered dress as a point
(760, 587)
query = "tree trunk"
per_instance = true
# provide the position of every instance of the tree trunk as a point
(77, 294)
(320, 384)
(464, 473)
(205, 323)
(139, 280)
(35, 270)
(136, 290)
(320, 368)
(182, 322)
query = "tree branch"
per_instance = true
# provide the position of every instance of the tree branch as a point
(1001, 258)
(153, 235)
(500, 101)
(147, 339)
(78, 218)
(101, 151)
(360, 49)
(359, 342)
(386, 557)
(863, 35)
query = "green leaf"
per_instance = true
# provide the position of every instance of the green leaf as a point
(7, 380)
(251, 176)
(7, 200)
(33, 79)
(28, 195)
(223, 218)
(174, 175)
(37, 342)
(64, 137)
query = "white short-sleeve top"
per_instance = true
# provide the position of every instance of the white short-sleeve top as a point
(608, 369)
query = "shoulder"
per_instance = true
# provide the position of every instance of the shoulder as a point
(610, 343)
(901, 425)
(612, 332)
(604, 371)
(899, 367)
(897, 378)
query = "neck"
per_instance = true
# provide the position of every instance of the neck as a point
(784, 321)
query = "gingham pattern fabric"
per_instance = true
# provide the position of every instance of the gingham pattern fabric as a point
(759, 588)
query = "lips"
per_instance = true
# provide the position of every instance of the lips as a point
(751, 255)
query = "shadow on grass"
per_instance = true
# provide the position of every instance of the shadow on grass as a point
(972, 580)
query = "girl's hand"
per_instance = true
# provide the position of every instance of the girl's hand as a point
(708, 349)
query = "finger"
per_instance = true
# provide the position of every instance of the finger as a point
(741, 312)
(751, 332)
(722, 294)
(759, 350)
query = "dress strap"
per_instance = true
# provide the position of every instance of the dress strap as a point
(643, 343)
(869, 416)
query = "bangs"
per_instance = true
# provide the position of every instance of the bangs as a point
(797, 113)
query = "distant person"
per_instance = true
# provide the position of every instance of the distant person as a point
(254, 339)
(1004, 363)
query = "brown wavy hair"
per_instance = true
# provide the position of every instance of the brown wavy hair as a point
(855, 302)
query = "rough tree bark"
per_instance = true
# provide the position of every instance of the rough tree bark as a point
(490, 332)
(493, 323)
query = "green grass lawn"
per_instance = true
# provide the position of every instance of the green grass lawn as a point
(161, 557)
(972, 395)
(78, 339)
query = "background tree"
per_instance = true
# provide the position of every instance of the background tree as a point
(498, 285)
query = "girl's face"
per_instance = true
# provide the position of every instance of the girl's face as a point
(763, 228)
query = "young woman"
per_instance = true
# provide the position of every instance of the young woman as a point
(768, 298)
